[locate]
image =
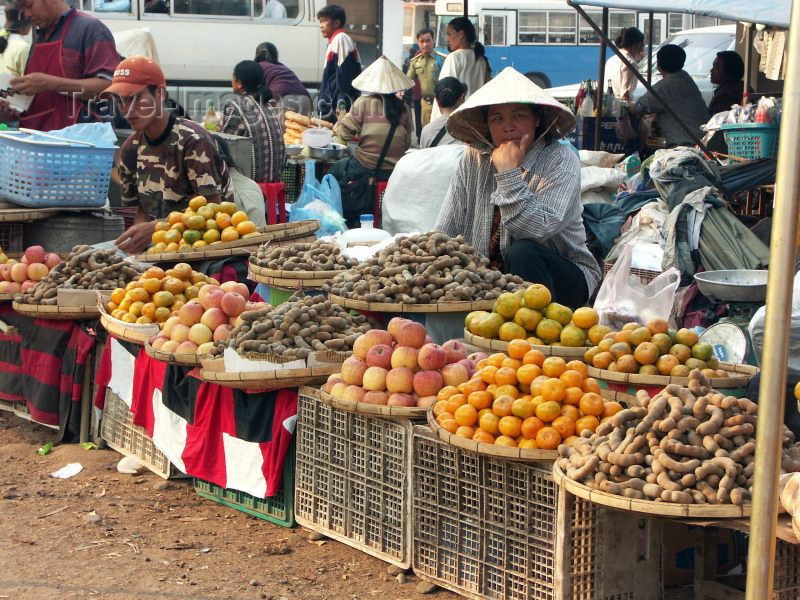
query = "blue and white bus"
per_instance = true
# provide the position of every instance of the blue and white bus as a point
(547, 39)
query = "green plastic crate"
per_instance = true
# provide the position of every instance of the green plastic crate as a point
(279, 508)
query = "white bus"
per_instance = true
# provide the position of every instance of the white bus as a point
(547, 40)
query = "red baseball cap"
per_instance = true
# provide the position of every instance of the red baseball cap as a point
(134, 74)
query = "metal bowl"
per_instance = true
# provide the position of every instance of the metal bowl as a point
(293, 149)
(329, 152)
(733, 286)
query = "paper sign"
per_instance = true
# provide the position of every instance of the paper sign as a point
(17, 101)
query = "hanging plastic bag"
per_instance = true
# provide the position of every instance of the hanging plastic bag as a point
(623, 298)
(320, 200)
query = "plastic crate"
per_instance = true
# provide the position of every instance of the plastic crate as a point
(41, 173)
(292, 177)
(487, 527)
(119, 432)
(752, 140)
(644, 275)
(278, 509)
(11, 237)
(353, 478)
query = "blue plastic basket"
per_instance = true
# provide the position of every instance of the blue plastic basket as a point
(752, 140)
(39, 173)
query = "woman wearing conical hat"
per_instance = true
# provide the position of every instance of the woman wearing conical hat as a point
(516, 192)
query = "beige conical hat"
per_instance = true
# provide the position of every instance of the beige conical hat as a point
(468, 121)
(382, 77)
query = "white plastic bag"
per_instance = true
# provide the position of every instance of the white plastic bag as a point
(624, 298)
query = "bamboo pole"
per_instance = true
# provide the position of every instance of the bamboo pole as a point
(761, 555)
(601, 77)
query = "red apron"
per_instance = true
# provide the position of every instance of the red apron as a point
(50, 110)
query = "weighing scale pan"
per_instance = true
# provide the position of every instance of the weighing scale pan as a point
(739, 285)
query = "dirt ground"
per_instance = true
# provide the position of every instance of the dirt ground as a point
(102, 534)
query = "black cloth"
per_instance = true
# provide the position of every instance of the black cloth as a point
(538, 264)
(791, 417)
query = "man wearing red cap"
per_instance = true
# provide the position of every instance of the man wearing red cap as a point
(168, 160)
(71, 62)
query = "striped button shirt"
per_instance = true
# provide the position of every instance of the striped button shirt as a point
(681, 94)
(539, 201)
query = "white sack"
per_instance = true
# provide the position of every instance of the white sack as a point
(757, 332)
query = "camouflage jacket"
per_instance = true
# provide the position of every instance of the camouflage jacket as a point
(162, 175)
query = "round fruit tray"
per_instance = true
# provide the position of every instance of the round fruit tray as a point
(650, 507)
(290, 279)
(54, 311)
(399, 307)
(738, 377)
(562, 351)
(128, 332)
(378, 410)
(269, 380)
(489, 449)
(183, 359)
(8, 296)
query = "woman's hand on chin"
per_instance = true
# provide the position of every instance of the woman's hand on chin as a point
(508, 155)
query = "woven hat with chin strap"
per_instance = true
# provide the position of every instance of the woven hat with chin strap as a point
(382, 77)
(468, 122)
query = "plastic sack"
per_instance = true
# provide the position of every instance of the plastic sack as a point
(100, 134)
(756, 331)
(320, 200)
(623, 298)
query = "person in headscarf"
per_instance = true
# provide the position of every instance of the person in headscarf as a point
(515, 195)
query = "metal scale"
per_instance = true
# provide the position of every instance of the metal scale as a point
(744, 292)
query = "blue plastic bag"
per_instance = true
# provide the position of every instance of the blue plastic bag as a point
(320, 200)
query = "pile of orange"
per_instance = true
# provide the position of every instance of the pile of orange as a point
(531, 315)
(202, 224)
(157, 294)
(653, 349)
(524, 399)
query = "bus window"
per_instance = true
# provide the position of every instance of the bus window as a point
(494, 29)
(618, 21)
(212, 7)
(587, 35)
(561, 28)
(532, 27)
(123, 6)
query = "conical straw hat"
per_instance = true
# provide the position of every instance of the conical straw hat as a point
(468, 121)
(382, 77)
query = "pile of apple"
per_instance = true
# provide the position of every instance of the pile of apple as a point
(206, 319)
(20, 275)
(400, 366)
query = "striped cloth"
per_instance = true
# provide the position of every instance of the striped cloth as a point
(246, 117)
(539, 201)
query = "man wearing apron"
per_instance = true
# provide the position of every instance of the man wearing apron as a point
(168, 160)
(71, 62)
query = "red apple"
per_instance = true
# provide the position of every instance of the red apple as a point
(375, 397)
(37, 271)
(456, 350)
(14, 286)
(4, 286)
(26, 285)
(213, 318)
(51, 259)
(400, 379)
(428, 339)
(373, 337)
(337, 391)
(353, 393)
(35, 254)
(432, 357)
(426, 401)
(207, 289)
(24, 260)
(212, 299)
(353, 369)
(190, 313)
(401, 399)
(232, 304)
(405, 356)
(454, 374)
(330, 383)
(394, 325)
(428, 383)
(411, 334)
(237, 288)
(19, 272)
(223, 332)
(5, 271)
(187, 347)
(468, 364)
(476, 356)
(374, 379)
(380, 356)
(158, 341)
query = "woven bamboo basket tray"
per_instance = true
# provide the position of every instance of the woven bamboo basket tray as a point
(174, 358)
(301, 231)
(8, 296)
(566, 352)
(51, 311)
(270, 380)
(129, 332)
(661, 509)
(377, 410)
(399, 307)
(11, 215)
(290, 279)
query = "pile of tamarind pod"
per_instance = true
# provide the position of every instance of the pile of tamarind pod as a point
(688, 445)
(423, 269)
(316, 256)
(295, 124)
(296, 328)
(85, 268)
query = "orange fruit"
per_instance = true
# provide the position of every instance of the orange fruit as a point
(228, 207)
(573, 336)
(631, 326)
(531, 426)
(536, 385)
(245, 227)
(553, 366)
(480, 399)
(585, 317)
(596, 333)
(238, 217)
(564, 426)
(533, 357)
(465, 431)
(504, 440)
(679, 371)
(223, 220)
(589, 422)
(620, 349)
(195, 222)
(567, 410)
(172, 236)
(623, 336)
(211, 235)
(507, 390)
(666, 363)
(174, 217)
(579, 366)
(527, 318)
(488, 373)
(570, 440)
(507, 304)
(657, 326)
(548, 411)
(527, 373)
(158, 237)
(548, 438)
(449, 425)
(523, 407)
(482, 435)
(505, 376)
(162, 314)
(537, 296)
(610, 408)
(496, 359)
(558, 312)
(553, 390)
(590, 384)
(605, 344)
(640, 335)
(571, 378)
(549, 330)
(646, 353)
(502, 405)
(627, 364)
(648, 370)
(197, 202)
(138, 294)
(591, 404)
(489, 422)
(229, 234)
(510, 426)
(455, 401)
(445, 415)
(466, 415)
(572, 396)
(446, 392)
(118, 295)
(439, 408)
(687, 337)
(475, 384)
(518, 348)
(526, 443)
(511, 363)
(601, 360)
(199, 244)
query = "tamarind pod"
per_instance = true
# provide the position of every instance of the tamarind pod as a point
(611, 487)
(634, 493)
(673, 389)
(738, 495)
(739, 453)
(676, 447)
(629, 435)
(670, 463)
(694, 386)
(603, 450)
(674, 434)
(615, 438)
(627, 414)
(688, 423)
(697, 497)
(635, 471)
(725, 487)
(713, 424)
(668, 484)
(652, 439)
(643, 398)
(615, 471)
(743, 429)
(724, 443)
(748, 406)
(676, 407)
(577, 460)
(739, 419)
(667, 424)
(604, 428)
(708, 492)
(600, 477)
(677, 497)
(586, 470)
(655, 410)
(709, 444)
(688, 480)
(605, 467)
(636, 445)
(689, 399)
(652, 490)
(625, 460)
